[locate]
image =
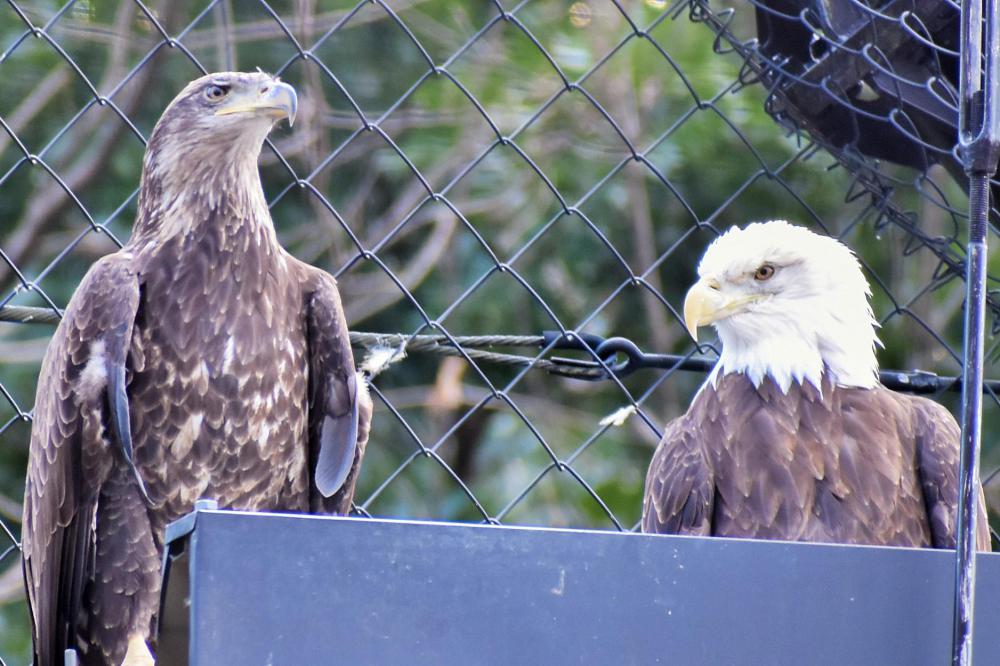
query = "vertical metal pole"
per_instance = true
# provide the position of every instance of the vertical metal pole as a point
(972, 406)
(979, 140)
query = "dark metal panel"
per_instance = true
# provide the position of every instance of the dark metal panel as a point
(175, 597)
(279, 589)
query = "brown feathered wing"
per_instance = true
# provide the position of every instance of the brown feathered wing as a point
(938, 440)
(340, 409)
(73, 450)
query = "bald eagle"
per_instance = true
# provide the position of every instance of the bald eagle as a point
(792, 436)
(200, 360)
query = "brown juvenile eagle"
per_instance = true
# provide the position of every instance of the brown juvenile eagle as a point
(792, 436)
(200, 360)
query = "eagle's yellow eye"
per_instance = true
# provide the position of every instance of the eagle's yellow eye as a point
(215, 93)
(764, 272)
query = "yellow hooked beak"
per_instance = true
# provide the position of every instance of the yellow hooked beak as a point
(705, 304)
(275, 99)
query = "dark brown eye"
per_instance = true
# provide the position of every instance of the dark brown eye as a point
(215, 93)
(764, 272)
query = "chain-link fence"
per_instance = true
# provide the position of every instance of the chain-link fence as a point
(505, 187)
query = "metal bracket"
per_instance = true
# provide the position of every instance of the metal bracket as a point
(185, 524)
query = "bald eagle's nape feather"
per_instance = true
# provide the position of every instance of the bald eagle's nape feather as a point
(791, 436)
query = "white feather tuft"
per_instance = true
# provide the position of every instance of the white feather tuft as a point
(381, 357)
(362, 382)
(94, 377)
(618, 417)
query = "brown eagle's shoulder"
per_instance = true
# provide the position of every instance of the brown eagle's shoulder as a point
(309, 277)
(97, 298)
(925, 410)
(913, 415)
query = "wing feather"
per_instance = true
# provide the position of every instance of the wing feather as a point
(339, 406)
(679, 496)
(938, 443)
(71, 450)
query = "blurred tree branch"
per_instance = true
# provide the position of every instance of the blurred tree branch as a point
(265, 29)
(94, 141)
(35, 103)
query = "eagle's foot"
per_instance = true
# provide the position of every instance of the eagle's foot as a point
(138, 653)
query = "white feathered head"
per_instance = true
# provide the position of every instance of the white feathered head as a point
(787, 303)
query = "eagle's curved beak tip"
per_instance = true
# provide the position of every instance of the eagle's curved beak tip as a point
(700, 306)
(283, 98)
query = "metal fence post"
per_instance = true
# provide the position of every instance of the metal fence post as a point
(979, 140)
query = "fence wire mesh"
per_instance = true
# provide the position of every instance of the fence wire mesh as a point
(479, 174)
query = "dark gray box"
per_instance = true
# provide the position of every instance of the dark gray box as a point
(283, 590)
